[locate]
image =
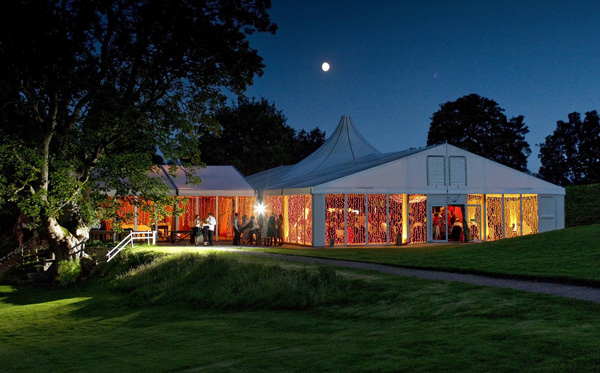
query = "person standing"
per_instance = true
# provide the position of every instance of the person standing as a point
(196, 230)
(212, 222)
(244, 228)
(205, 226)
(280, 230)
(236, 229)
(272, 229)
(262, 221)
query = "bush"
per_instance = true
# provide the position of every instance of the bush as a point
(214, 282)
(582, 203)
(68, 272)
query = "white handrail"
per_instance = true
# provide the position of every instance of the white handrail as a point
(143, 235)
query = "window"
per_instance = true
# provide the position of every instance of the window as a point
(458, 171)
(436, 170)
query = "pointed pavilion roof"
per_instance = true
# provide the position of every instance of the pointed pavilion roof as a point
(345, 145)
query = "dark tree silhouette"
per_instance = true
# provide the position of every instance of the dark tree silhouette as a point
(253, 136)
(571, 155)
(478, 124)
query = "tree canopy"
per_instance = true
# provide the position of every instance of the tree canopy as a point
(253, 136)
(478, 124)
(571, 155)
(91, 91)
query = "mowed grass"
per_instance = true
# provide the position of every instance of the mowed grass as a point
(570, 255)
(151, 311)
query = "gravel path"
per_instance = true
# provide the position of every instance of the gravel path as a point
(568, 291)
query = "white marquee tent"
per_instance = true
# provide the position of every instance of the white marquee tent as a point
(446, 176)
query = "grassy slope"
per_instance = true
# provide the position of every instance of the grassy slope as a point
(582, 205)
(569, 255)
(396, 324)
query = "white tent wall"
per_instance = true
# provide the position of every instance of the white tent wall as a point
(551, 212)
(409, 175)
(318, 218)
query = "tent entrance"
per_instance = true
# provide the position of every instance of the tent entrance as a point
(448, 223)
(474, 222)
(438, 222)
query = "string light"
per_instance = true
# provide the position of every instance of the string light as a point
(512, 215)
(225, 216)
(357, 219)
(307, 220)
(493, 204)
(518, 209)
(396, 208)
(474, 210)
(245, 205)
(334, 218)
(377, 219)
(417, 217)
(530, 214)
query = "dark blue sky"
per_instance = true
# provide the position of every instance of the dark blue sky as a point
(394, 62)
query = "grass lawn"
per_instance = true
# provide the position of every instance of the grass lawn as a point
(172, 313)
(570, 255)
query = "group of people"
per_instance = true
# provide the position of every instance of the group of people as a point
(439, 226)
(204, 228)
(268, 230)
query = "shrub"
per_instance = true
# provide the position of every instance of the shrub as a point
(215, 282)
(68, 272)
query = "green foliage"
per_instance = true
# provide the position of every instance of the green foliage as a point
(582, 205)
(90, 92)
(253, 136)
(571, 155)
(68, 272)
(224, 283)
(478, 124)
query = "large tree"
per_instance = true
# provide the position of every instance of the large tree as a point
(91, 91)
(478, 124)
(253, 136)
(571, 155)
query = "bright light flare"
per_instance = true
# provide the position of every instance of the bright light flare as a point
(260, 208)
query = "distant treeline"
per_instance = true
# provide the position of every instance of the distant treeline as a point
(582, 205)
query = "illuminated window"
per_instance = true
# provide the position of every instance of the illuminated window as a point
(493, 207)
(396, 202)
(298, 222)
(417, 218)
(307, 216)
(530, 214)
(512, 215)
(357, 219)
(377, 219)
(334, 218)
(273, 204)
(245, 206)
(187, 212)
(474, 216)
(225, 216)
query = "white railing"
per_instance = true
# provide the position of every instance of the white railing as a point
(133, 236)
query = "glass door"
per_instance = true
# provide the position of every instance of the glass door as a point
(439, 231)
(474, 222)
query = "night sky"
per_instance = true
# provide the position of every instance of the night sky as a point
(394, 62)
